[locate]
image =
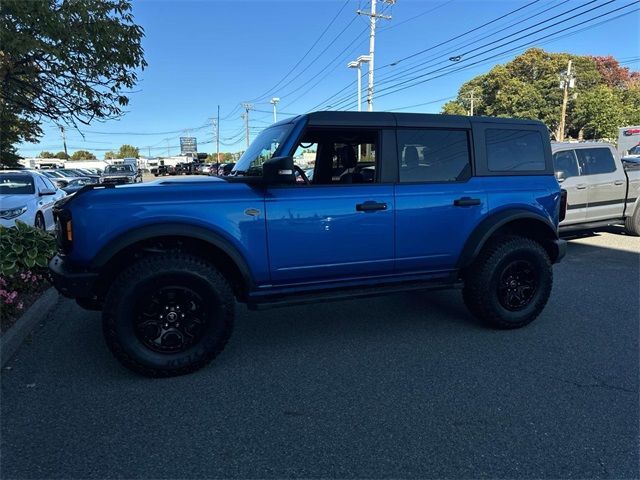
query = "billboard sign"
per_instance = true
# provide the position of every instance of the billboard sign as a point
(188, 145)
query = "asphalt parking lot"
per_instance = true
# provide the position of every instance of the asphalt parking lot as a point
(405, 386)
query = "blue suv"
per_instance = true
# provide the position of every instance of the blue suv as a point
(396, 202)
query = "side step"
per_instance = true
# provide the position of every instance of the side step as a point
(275, 301)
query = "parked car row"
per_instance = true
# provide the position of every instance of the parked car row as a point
(28, 196)
(193, 168)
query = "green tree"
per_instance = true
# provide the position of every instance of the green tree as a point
(128, 151)
(528, 87)
(599, 112)
(61, 156)
(46, 154)
(454, 108)
(125, 151)
(631, 102)
(82, 155)
(68, 61)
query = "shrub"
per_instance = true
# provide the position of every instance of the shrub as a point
(24, 248)
(24, 254)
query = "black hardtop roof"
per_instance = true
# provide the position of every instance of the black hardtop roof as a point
(392, 119)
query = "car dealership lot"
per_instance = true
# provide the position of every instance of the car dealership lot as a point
(400, 386)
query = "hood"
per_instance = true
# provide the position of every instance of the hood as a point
(14, 201)
(165, 191)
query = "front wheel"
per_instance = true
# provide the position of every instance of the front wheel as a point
(509, 283)
(168, 315)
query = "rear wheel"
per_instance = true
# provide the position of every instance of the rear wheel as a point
(632, 223)
(509, 283)
(168, 315)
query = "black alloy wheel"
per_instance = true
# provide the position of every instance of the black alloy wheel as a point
(517, 285)
(171, 319)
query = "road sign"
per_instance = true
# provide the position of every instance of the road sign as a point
(188, 145)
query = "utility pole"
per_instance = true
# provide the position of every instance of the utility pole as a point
(214, 125)
(218, 136)
(64, 141)
(358, 64)
(567, 81)
(247, 108)
(167, 140)
(471, 98)
(274, 101)
(373, 18)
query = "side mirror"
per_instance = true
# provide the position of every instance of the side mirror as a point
(279, 170)
(47, 191)
(560, 177)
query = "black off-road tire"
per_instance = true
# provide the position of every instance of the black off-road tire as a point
(137, 283)
(482, 292)
(632, 223)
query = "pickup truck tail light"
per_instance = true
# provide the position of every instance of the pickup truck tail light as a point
(563, 204)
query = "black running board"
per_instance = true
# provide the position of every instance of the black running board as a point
(258, 303)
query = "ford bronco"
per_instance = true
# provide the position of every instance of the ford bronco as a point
(396, 202)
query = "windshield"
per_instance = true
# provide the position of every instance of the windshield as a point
(118, 169)
(17, 184)
(261, 150)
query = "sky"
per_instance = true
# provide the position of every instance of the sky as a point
(209, 53)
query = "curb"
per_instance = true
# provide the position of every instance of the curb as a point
(15, 336)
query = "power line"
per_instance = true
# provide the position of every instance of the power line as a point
(148, 133)
(429, 61)
(384, 29)
(398, 86)
(328, 100)
(328, 72)
(331, 22)
(515, 48)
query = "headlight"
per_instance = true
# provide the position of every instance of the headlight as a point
(12, 212)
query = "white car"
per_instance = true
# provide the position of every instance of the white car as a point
(27, 196)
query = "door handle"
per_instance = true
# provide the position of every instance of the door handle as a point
(466, 202)
(619, 182)
(582, 186)
(370, 206)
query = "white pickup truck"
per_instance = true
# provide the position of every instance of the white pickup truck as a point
(600, 190)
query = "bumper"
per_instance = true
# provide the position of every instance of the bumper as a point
(71, 282)
(561, 248)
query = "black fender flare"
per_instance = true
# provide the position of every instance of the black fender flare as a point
(487, 227)
(149, 232)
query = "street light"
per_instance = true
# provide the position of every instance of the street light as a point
(358, 64)
(274, 101)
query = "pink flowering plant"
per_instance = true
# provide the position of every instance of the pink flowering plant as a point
(24, 254)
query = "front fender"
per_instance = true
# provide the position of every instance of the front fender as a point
(148, 232)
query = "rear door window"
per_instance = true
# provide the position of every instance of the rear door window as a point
(433, 155)
(512, 150)
(596, 160)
